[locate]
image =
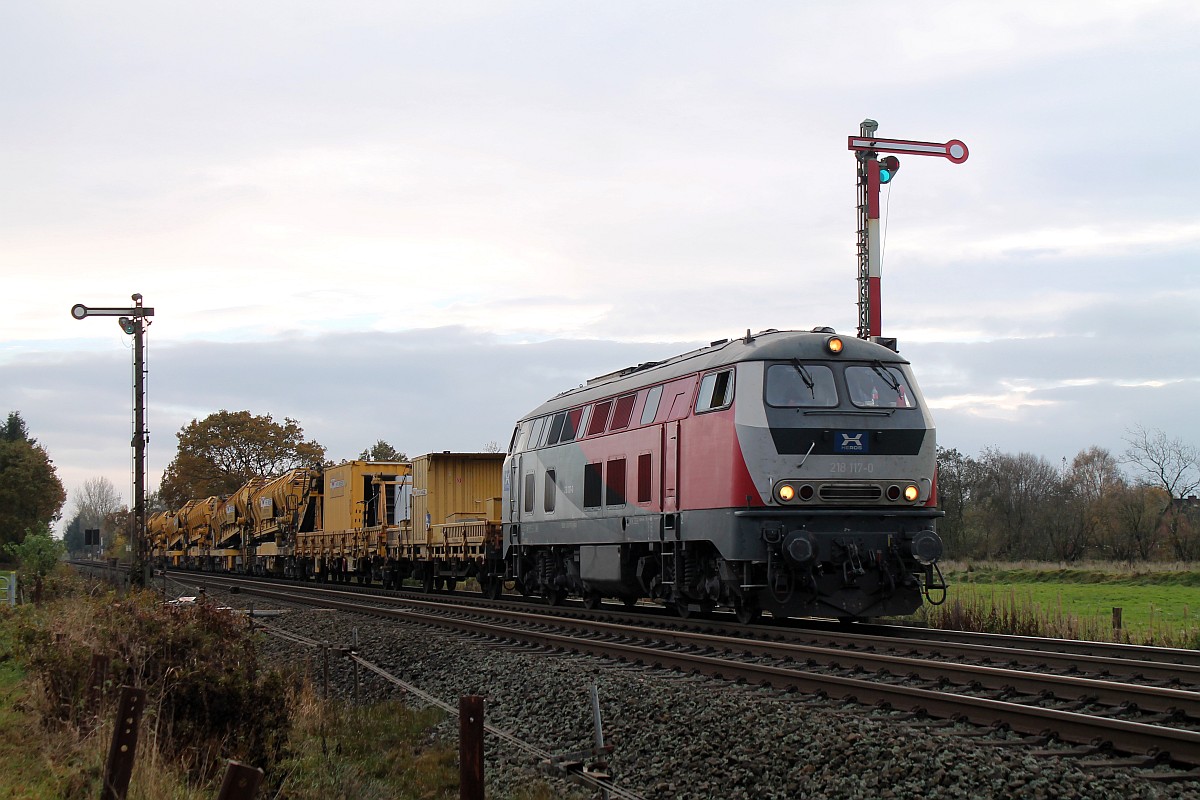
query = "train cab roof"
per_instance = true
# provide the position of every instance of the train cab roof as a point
(769, 345)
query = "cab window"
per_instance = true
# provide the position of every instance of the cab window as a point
(877, 385)
(716, 391)
(797, 385)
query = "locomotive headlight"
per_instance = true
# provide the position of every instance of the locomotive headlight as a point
(834, 344)
(911, 493)
(786, 493)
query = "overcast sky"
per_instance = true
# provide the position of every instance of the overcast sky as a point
(417, 221)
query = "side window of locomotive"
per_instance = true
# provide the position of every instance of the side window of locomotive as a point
(551, 492)
(529, 485)
(716, 391)
(517, 441)
(535, 435)
(571, 425)
(622, 412)
(651, 408)
(592, 484)
(877, 385)
(599, 417)
(556, 428)
(800, 386)
(614, 487)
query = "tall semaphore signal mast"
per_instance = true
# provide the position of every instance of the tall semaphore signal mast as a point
(874, 172)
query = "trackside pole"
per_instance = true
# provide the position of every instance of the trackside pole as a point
(119, 767)
(470, 747)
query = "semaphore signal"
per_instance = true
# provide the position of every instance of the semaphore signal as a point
(874, 172)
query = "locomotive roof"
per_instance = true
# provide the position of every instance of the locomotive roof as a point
(769, 345)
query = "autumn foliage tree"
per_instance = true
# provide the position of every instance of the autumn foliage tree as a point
(224, 450)
(31, 494)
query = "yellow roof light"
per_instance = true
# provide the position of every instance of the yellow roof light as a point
(834, 344)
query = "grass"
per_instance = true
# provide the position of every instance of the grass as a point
(332, 749)
(1160, 603)
(370, 752)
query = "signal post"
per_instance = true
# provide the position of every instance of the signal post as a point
(873, 172)
(134, 322)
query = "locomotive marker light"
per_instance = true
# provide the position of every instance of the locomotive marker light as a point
(874, 172)
(133, 322)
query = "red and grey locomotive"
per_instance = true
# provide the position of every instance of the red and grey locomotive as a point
(788, 471)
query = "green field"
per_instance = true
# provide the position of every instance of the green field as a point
(1158, 605)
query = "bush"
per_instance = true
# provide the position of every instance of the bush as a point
(207, 698)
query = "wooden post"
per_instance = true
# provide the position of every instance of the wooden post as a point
(119, 767)
(241, 782)
(470, 747)
(97, 675)
(325, 671)
(1116, 619)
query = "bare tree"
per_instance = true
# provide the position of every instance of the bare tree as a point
(1174, 467)
(95, 500)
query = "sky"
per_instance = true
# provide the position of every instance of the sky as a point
(417, 221)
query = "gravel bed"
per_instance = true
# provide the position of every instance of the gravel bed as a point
(686, 737)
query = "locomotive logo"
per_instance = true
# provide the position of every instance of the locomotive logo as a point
(851, 442)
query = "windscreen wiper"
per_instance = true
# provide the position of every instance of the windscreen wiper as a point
(887, 376)
(804, 376)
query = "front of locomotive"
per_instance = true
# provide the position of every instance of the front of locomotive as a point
(842, 451)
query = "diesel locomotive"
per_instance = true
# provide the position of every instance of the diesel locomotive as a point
(786, 471)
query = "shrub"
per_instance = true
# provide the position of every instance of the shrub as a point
(207, 698)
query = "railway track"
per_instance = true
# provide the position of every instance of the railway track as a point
(1139, 702)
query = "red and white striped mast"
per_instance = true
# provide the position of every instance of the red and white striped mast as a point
(873, 172)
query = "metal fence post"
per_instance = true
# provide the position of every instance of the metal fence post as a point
(119, 767)
(470, 747)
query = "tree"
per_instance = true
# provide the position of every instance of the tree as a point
(96, 499)
(1016, 492)
(73, 535)
(37, 555)
(30, 492)
(15, 429)
(956, 475)
(1174, 467)
(382, 451)
(218, 454)
(1136, 534)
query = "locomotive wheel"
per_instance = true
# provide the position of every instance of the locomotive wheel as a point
(629, 602)
(493, 588)
(591, 600)
(555, 597)
(747, 614)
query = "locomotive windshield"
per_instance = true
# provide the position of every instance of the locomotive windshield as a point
(800, 386)
(878, 385)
